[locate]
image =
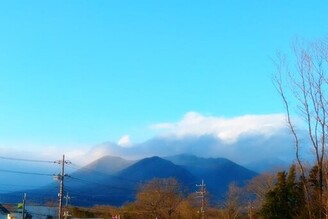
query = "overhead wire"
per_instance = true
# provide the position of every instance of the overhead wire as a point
(16, 185)
(15, 193)
(26, 173)
(100, 184)
(26, 160)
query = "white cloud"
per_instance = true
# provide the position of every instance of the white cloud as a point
(226, 129)
(124, 141)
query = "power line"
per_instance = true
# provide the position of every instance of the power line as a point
(16, 185)
(26, 160)
(99, 173)
(103, 185)
(26, 173)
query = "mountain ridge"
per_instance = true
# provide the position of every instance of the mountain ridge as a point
(99, 184)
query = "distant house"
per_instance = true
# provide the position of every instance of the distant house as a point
(32, 212)
(4, 213)
(14, 212)
(42, 212)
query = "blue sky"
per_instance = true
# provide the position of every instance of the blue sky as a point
(78, 73)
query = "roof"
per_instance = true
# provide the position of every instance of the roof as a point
(3, 210)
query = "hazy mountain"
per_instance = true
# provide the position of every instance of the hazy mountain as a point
(268, 165)
(102, 167)
(107, 164)
(115, 181)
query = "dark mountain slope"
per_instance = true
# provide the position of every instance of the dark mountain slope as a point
(156, 167)
(122, 187)
(217, 173)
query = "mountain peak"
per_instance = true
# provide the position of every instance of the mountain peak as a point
(155, 167)
(107, 165)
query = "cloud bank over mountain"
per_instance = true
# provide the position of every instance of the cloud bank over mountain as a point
(259, 142)
(242, 139)
(228, 130)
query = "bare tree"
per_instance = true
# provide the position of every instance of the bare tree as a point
(259, 186)
(232, 204)
(159, 198)
(304, 87)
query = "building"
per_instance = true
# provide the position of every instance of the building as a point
(32, 212)
(4, 213)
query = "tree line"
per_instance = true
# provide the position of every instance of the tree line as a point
(267, 196)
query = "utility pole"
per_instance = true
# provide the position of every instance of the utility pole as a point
(61, 177)
(23, 207)
(202, 196)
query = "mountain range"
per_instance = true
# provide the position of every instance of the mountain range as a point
(115, 181)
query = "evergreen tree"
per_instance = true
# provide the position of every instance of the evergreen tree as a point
(285, 200)
(314, 188)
